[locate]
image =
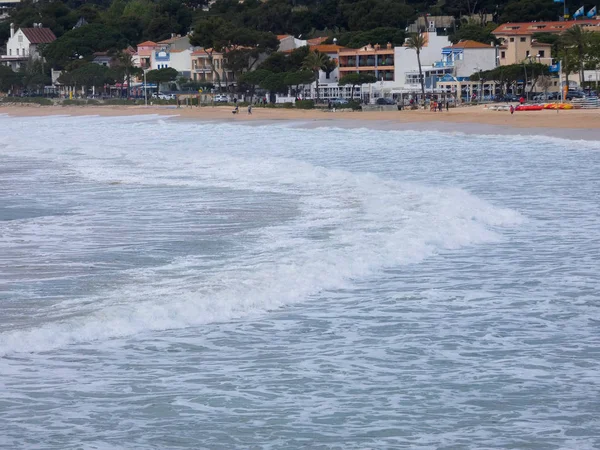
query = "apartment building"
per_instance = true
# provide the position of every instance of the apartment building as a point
(202, 71)
(519, 44)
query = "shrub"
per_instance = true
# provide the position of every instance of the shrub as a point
(305, 104)
(34, 100)
(288, 105)
(355, 105)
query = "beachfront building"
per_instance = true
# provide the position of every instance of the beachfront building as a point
(519, 45)
(202, 71)
(24, 44)
(175, 53)
(406, 71)
(143, 56)
(328, 81)
(461, 60)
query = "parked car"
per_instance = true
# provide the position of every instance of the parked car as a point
(339, 101)
(385, 101)
(571, 94)
(220, 98)
(506, 98)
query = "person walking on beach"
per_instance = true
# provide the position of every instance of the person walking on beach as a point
(250, 109)
(447, 105)
(512, 109)
(440, 106)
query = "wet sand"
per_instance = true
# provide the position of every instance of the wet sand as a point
(569, 124)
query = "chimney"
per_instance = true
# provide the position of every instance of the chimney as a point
(12, 29)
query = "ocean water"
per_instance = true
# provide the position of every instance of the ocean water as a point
(175, 285)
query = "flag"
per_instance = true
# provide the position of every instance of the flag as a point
(592, 12)
(578, 13)
(559, 1)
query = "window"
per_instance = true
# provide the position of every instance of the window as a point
(10, 52)
(523, 39)
(20, 38)
(502, 55)
(512, 39)
(541, 53)
(527, 54)
(17, 52)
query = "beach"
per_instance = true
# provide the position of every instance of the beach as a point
(570, 124)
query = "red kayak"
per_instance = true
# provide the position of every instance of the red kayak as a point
(529, 108)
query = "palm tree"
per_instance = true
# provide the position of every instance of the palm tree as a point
(316, 61)
(127, 67)
(577, 38)
(416, 42)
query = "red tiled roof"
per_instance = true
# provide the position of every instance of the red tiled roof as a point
(469, 44)
(283, 36)
(39, 35)
(528, 28)
(147, 44)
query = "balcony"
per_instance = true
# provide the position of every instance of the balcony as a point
(206, 68)
(443, 64)
(162, 56)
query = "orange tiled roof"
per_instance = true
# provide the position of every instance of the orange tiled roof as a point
(469, 44)
(283, 36)
(326, 48)
(528, 28)
(147, 44)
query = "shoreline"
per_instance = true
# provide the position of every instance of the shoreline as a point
(570, 124)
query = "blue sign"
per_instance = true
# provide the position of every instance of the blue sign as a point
(555, 68)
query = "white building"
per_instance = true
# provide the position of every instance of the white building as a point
(24, 44)
(406, 66)
(468, 57)
(175, 53)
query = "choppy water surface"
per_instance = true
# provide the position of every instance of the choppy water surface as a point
(167, 284)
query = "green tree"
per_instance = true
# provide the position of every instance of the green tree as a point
(474, 31)
(416, 42)
(159, 76)
(316, 61)
(275, 83)
(243, 44)
(299, 77)
(379, 35)
(88, 75)
(577, 39)
(124, 68)
(254, 79)
(213, 35)
(9, 80)
(83, 41)
(356, 79)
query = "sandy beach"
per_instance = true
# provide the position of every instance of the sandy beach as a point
(570, 124)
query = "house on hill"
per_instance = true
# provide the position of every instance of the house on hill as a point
(26, 43)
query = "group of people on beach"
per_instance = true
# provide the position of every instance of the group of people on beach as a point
(438, 106)
(236, 110)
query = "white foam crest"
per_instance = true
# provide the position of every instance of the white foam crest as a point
(350, 227)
